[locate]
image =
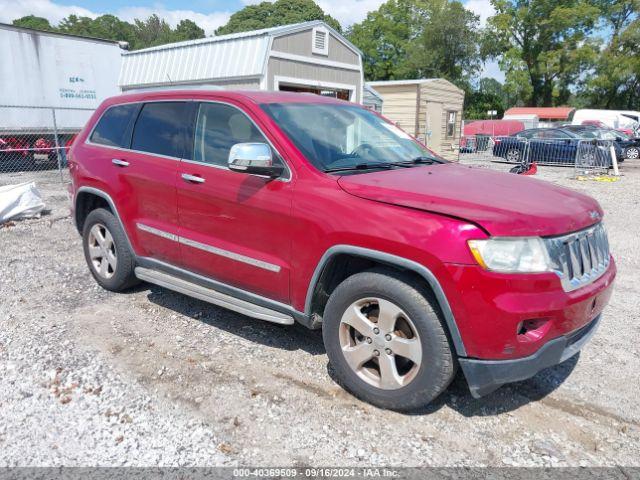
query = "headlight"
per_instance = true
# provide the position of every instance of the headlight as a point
(512, 255)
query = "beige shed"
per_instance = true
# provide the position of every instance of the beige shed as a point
(429, 109)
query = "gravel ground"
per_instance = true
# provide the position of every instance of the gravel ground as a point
(152, 377)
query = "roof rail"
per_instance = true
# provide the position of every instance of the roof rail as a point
(161, 88)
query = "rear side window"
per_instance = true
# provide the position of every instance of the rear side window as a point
(112, 127)
(160, 129)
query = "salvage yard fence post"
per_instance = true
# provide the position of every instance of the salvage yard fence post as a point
(37, 138)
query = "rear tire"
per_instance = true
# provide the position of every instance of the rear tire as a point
(107, 251)
(399, 356)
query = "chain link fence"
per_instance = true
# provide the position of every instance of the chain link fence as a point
(584, 155)
(38, 138)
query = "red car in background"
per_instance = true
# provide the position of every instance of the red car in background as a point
(629, 132)
(476, 134)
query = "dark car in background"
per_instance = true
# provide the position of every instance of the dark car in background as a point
(555, 146)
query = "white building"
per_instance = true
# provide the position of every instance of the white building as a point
(305, 57)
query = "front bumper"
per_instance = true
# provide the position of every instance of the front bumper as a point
(485, 376)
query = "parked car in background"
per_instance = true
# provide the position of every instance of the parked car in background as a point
(626, 121)
(411, 265)
(14, 149)
(555, 146)
(44, 150)
(620, 140)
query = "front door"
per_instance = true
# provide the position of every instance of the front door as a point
(234, 227)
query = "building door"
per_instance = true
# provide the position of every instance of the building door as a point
(433, 134)
(325, 92)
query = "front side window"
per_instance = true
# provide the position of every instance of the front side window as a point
(451, 124)
(335, 136)
(218, 128)
(113, 125)
(160, 129)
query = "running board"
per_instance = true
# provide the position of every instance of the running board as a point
(212, 296)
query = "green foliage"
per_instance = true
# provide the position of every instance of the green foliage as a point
(188, 30)
(543, 45)
(419, 38)
(384, 38)
(153, 31)
(488, 95)
(280, 12)
(141, 34)
(31, 21)
(615, 82)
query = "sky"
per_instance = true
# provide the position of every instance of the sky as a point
(208, 14)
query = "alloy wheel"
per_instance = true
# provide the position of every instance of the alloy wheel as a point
(513, 155)
(380, 343)
(102, 251)
(633, 153)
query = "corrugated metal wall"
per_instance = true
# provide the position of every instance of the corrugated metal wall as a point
(194, 62)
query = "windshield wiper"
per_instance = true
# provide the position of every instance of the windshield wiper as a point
(421, 160)
(360, 166)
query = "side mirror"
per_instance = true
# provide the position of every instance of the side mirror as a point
(254, 159)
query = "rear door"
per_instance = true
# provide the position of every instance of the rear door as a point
(146, 177)
(234, 227)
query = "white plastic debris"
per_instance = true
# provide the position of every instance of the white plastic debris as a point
(20, 201)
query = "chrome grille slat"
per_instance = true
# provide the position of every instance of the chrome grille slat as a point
(581, 257)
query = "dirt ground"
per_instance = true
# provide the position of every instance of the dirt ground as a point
(152, 377)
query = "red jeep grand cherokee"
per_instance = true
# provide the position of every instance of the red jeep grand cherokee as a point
(292, 207)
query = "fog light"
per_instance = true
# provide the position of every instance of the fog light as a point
(533, 330)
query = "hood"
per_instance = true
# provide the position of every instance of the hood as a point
(503, 204)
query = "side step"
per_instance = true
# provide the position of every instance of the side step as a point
(212, 296)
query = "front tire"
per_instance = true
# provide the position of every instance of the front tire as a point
(107, 252)
(513, 155)
(386, 341)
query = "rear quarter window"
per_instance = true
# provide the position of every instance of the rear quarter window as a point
(160, 129)
(112, 127)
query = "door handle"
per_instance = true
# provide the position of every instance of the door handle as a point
(119, 163)
(192, 178)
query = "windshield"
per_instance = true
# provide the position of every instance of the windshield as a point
(336, 137)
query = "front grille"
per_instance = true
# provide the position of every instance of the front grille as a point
(581, 257)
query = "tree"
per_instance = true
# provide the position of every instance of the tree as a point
(384, 37)
(76, 25)
(152, 32)
(615, 82)
(448, 44)
(419, 38)
(543, 46)
(488, 95)
(187, 30)
(31, 21)
(280, 12)
(141, 34)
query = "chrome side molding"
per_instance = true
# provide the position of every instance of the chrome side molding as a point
(212, 296)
